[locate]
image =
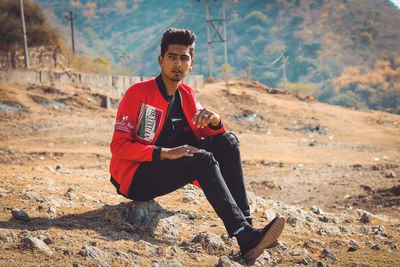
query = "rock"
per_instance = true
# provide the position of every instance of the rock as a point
(210, 242)
(390, 174)
(32, 242)
(92, 252)
(391, 245)
(376, 247)
(20, 215)
(264, 259)
(166, 263)
(327, 229)
(145, 215)
(365, 218)
(366, 230)
(270, 214)
(380, 229)
(321, 264)
(7, 235)
(353, 245)
(326, 219)
(190, 196)
(170, 225)
(298, 252)
(307, 261)
(328, 254)
(225, 262)
(131, 258)
(71, 194)
(294, 222)
(316, 210)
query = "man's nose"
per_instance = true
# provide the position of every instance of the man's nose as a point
(178, 62)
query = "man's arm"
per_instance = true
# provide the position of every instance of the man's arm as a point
(179, 152)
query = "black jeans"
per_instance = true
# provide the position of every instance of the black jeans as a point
(218, 171)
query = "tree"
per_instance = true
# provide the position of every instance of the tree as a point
(37, 30)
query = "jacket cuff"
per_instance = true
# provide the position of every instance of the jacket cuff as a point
(215, 127)
(156, 153)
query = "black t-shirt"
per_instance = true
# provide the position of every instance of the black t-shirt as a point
(172, 134)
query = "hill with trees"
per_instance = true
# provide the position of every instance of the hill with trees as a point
(343, 52)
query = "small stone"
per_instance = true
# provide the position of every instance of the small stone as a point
(328, 254)
(376, 247)
(316, 210)
(391, 245)
(321, 264)
(390, 174)
(90, 251)
(20, 215)
(365, 218)
(7, 235)
(225, 262)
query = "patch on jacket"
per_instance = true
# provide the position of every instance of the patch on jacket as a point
(124, 124)
(149, 121)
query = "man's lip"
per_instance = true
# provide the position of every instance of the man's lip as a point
(177, 71)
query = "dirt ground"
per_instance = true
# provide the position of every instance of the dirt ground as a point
(55, 139)
(294, 149)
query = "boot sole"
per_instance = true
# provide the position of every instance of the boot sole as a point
(268, 239)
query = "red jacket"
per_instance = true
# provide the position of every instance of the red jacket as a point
(140, 118)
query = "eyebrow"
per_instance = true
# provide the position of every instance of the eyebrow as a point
(174, 54)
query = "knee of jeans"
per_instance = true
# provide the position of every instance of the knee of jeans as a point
(228, 141)
(205, 159)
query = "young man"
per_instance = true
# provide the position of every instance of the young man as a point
(164, 139)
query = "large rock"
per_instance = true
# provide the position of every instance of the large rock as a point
(145, 215)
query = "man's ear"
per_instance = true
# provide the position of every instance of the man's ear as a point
(160, 59)
(191, 65)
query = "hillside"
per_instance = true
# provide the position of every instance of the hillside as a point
(332, 172)
(324, 42)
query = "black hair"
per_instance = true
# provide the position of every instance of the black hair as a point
(178, 36)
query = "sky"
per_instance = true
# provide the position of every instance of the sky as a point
(396, 3)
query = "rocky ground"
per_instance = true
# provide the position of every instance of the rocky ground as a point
(332, 172)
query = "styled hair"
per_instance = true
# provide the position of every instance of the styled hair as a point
(178, 36)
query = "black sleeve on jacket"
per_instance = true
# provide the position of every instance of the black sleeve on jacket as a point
(215, 127)
(156, 153)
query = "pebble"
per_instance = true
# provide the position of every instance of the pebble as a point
(20, 215)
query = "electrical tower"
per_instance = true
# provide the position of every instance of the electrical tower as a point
(216, 34)
(71, 18)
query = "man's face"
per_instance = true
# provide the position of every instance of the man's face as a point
(176, 62)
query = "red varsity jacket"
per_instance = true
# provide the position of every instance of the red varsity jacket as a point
(139, 121)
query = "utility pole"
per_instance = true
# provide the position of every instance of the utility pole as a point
(284, 72)
(26, 54)
(216, 33)
(71, 18)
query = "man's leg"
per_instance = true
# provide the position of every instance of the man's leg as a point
(225, 148)
(154, 179)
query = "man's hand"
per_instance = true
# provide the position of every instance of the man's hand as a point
(179, 152)
(203, 117)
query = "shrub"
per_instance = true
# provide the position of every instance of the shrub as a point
(366, 38)
(37, 30)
